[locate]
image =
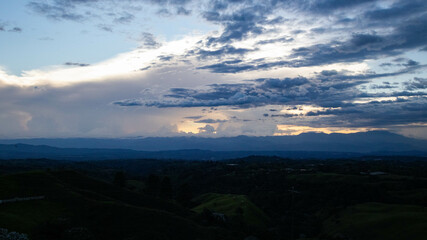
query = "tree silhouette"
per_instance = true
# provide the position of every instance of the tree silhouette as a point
(152, 185)
(184, 194)
(120, 179)
(166, 188)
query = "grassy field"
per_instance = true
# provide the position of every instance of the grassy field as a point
(232, 206)
(380, 221)
(107, 212)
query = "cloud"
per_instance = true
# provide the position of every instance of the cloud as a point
(233, 66)
(193, 117)
(286, 83)
(327, 6)
(164, 58)
(210, 120)
(76, 64)
(208, 129)
(409, 35)
(397, 10)
(236, 66)
(249, 19)
(183, 11)
(3, 28)
(329, 88)
(46, 39)
(124, 18)
(265, 58)
(267, 91)
(416, 84)
(275, 40)
(384, 86)
(223, 51)
(16, 30)
(105, 27)
(58, 11)
(148, 41)
(377, 113)
(286, 115)
(164, 12)
(169, 2)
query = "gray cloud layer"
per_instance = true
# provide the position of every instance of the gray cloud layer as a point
(350, 32)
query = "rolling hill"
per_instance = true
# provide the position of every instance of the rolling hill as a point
(73, 202)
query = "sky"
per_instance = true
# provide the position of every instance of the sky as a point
(140, 68)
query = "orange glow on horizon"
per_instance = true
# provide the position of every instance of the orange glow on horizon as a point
(286, 130)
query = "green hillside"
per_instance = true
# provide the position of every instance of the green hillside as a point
(233, 206)
(379, 221)
(102, 211)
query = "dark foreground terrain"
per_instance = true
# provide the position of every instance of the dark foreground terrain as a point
(249, 198)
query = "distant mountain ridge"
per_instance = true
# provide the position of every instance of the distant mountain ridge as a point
(356, 142)
(316, 145)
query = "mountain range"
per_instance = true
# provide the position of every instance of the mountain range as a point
(306, 145)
